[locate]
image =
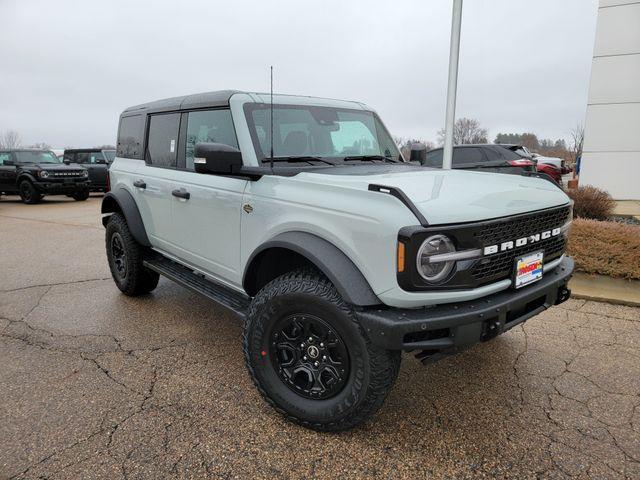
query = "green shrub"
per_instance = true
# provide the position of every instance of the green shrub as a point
(591, 202)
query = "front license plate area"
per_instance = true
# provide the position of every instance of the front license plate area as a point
(528, 269)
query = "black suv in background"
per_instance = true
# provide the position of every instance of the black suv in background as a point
(484, 157)
(34, 173)
(96, 161)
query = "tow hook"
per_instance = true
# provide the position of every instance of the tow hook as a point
(563, 295)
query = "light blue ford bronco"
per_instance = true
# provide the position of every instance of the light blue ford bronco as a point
(300, 215)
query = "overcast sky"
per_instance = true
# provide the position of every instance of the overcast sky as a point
(70, 67)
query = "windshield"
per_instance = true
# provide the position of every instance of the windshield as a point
(109, 155)
(36, 157)
(323, 132)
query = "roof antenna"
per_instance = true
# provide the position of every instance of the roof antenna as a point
(271, 122)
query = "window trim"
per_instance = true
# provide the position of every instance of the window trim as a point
(181, 140)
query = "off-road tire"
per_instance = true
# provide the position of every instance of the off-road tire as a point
(80, 196)
(28, 193)
(137, 279)
(373, 370)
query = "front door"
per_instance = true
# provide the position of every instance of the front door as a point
(206, 226)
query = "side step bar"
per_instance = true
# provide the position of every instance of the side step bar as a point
(233, 300)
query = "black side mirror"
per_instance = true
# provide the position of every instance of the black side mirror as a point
(66, 161)
(216, 158)
(418, 153)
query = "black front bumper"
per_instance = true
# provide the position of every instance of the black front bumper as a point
(62, 188)
(448, 328)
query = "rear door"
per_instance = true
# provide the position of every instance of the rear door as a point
(7, 173)
(153, 182)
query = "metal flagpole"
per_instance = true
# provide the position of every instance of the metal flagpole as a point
(452, 85)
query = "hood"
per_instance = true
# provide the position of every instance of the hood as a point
(452, 196)
(52, 167)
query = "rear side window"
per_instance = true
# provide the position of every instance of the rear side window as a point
(130, 136)
(213, 126)
(162, 144)
(462, 156)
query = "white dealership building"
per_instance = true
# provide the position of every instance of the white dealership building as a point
(611, 154)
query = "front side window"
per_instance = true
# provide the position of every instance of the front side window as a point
(324, 132)
(82, 158)
(96, 157)
(162, 144)
(213, 126)
(434, 159)
(4, 156)
(36, 157)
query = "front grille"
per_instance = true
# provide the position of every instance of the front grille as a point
(66, 174)
(500, 265)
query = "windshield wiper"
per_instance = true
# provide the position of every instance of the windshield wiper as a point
(298, 159)
(369, 158)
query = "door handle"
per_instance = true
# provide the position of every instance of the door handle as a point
(139, 184)
(181, 193)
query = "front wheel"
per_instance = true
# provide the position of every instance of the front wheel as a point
(307, 355)
(80, 196)
(28, 193)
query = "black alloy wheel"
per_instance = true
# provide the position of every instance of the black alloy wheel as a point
(119, 255)
(309, 356)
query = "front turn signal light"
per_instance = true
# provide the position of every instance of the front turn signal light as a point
(400, 257)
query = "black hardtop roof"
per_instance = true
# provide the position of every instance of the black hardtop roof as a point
(81, 150)
(219, 98)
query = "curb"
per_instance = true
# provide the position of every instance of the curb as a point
(601, 288)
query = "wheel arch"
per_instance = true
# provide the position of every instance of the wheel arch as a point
(297, 249)
(121, 201)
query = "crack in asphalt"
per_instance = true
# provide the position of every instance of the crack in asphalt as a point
(179, 425)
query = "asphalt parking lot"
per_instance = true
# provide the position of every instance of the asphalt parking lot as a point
(94, 384)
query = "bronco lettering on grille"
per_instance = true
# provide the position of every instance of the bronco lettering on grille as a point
(536, 237)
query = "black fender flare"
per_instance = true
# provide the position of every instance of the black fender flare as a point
(329, 259)
(121, 200)
(26, 176)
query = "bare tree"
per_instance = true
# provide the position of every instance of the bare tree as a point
(577, 141)
(10, 139)
(466, 131)
(41, 146)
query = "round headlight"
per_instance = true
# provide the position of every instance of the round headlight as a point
(43, 174)
(431, 271)
(85, 173)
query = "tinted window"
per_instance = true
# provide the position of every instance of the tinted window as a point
(213, 126)
(467, 155)
(96, 157)
(36, 157)
(82, 157)
(493, 155)
(434, 158)
(130, 136)
(69, 157)
(162, 144)
(508, 154)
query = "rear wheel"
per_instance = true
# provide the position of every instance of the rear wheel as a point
(28, 193)
(125, 256)
(308, 357)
